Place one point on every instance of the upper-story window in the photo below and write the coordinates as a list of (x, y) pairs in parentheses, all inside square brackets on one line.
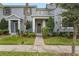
[(6, 11)]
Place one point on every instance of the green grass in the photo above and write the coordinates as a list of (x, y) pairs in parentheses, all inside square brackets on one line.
[(59, 41), (15, 40), (26, 54), (2, 53)]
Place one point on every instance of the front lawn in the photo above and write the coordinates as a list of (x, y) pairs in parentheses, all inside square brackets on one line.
[(59, 41), (15, 40), (2, 53), (27, 54)]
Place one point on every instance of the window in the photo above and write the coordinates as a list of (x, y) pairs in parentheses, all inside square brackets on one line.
[(6, 11)]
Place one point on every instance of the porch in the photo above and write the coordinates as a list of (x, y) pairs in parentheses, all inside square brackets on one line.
[(14, 24)]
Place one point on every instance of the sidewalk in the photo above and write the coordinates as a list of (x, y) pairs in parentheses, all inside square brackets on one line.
[(31, 48)]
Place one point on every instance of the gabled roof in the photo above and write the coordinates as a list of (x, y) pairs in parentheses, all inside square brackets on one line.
[(13, 17)]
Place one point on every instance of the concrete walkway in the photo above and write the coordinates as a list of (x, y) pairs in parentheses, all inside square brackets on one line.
[(39, 46), (39, 40)]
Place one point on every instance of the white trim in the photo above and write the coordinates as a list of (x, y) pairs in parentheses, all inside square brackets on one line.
[(13, 19), (9, 25), (12, 15), (41, 17), (33, 24), (44, 23), (19, 24)]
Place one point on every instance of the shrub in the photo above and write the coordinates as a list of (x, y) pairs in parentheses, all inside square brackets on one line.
[(66, 34), (45, 32), (50, 24), (4, 32), (28, 24), (30, 34), (25, 34), (55, 34), (3, 24), (1, 32)]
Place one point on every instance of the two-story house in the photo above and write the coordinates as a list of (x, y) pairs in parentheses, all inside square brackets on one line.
[(15, 15)]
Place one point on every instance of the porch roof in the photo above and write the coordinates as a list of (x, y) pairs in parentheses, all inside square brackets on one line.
[(41, 15), (13, 17)]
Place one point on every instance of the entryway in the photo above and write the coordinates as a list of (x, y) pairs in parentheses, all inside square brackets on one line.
[(38, 25), (14, 26)]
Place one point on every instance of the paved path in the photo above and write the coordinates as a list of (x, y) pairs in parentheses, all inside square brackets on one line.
[(39, 46), (39, 40)]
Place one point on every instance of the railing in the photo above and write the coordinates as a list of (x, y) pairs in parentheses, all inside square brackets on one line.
[(40, 13)]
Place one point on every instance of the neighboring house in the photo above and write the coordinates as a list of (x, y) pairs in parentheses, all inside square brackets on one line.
[(14, 14)]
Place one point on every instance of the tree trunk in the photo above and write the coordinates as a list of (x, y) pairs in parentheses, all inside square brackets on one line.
[(74, 39), (25, 14)]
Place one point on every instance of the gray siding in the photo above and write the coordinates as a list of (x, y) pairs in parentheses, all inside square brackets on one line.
[(18, 11)]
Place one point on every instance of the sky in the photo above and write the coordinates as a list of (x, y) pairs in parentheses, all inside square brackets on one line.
[(39, 5)]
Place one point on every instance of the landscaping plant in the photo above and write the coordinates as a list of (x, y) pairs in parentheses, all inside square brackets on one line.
[(45, 32), (50, 25), (3, 27)]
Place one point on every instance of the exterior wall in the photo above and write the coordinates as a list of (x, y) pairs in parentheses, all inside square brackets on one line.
[(1, 13), (18, 11), (39, 12)]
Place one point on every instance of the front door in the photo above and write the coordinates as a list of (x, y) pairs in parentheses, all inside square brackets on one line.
[(14, 27), (38, 28)]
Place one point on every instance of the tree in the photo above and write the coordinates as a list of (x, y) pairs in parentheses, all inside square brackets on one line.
[(50, 24), (3, 24), (25, 14), (72, 14), (28, 24)]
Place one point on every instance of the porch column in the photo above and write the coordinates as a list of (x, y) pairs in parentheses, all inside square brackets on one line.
[(19, 24), (44, 24), (33, 24), (9, 26)]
